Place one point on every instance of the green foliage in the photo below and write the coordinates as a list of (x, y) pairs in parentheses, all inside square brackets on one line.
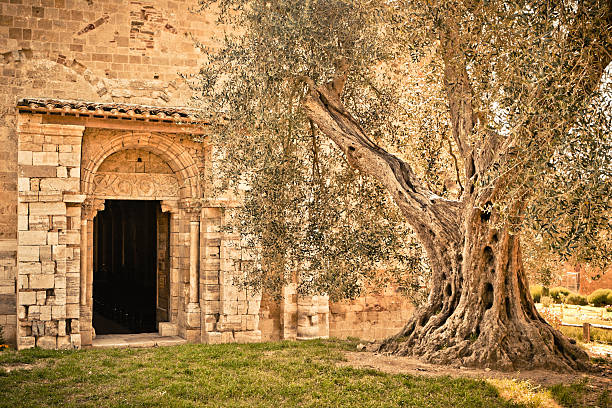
[(536, 292), (576, 299), (308, 216), (535, 72), (600, 297), (558, 294)]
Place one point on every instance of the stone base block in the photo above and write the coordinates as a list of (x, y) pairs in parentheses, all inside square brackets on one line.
[(192, 335), (212, 338), (167, 329), (47, 342), (63, 343), (248, 336), (26, 342)]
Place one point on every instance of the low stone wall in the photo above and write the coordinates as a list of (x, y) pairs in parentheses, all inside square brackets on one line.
[(374, 316)]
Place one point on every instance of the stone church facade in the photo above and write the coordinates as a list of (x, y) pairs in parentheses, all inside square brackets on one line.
[(90, 131)]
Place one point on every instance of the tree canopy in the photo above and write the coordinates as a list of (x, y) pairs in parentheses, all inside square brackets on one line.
[(541, 121)]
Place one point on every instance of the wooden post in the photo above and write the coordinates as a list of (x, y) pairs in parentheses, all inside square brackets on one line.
[(586, 332)]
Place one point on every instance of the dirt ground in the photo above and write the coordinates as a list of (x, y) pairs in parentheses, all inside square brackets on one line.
[(408, 365)]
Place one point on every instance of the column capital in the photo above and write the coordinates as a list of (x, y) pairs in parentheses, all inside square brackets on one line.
[(90, 207)]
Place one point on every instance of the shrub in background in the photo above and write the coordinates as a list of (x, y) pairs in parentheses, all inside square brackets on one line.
[(546, 301), (576, 299), (536, 292), (600, 297), (559, 293)]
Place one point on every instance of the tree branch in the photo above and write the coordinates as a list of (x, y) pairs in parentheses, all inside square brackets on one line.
[(428, 214)]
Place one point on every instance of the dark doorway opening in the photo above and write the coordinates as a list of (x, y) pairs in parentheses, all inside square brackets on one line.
[(125, 267)]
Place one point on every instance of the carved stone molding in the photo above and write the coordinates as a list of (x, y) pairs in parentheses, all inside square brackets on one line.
[(136, 185), (171, 206), (90, 208)]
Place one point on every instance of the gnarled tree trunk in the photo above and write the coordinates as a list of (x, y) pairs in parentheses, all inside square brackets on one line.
[(479, 311)]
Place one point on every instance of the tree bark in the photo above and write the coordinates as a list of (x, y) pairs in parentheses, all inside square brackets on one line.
[(479, 311)]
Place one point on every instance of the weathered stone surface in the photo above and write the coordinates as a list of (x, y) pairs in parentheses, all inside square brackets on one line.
[(46, 342)]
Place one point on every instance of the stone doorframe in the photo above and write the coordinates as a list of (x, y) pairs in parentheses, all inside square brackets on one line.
[(183, 205)]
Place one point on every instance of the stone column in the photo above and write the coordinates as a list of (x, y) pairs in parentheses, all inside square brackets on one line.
[(84, 259), (193, 315), (194, 254)]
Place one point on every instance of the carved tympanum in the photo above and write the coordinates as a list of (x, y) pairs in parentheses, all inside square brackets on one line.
[(134, 185)]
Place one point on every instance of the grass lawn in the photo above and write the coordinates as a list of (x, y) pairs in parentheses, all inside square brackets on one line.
[(284, 374)]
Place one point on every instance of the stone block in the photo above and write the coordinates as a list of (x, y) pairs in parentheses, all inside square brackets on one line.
[(27, 298), (51, 328), (49, 196), (26, 342), (60, 282), (75, 339), (41, 297), (28, 197), (45, 253), (48, 267), (58, 312), (45, 158), (64, 343), (59, 184), (69, 238), (47, 342), (45, 313), (248, 336), (22, 223), (213, 338), (28, 253), (61, 328), (72, 311), (32, 237), (39, 223), (24, 157), (58, 252), (23, 184), (227, 337), (72, 159), (38, 171), (57, 208), (168, 329), (42, 281)]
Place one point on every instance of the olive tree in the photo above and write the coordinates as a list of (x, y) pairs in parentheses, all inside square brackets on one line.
[(479, 119)]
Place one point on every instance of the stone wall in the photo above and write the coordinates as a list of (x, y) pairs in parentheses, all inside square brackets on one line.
[(48, 254), (374, 316), (113, 50)]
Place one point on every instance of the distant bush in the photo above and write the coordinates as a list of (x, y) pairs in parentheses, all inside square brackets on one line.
[(600, 297), (536, 292), (559, 294), (546, 301), (576, 299)]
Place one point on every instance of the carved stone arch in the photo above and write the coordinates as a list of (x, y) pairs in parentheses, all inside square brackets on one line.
[(174, 154)]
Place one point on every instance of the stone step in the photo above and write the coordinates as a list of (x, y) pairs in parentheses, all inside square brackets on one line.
[(135, 340)]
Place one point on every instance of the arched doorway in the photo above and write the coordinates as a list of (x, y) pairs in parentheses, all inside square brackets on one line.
[(142, 194)]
